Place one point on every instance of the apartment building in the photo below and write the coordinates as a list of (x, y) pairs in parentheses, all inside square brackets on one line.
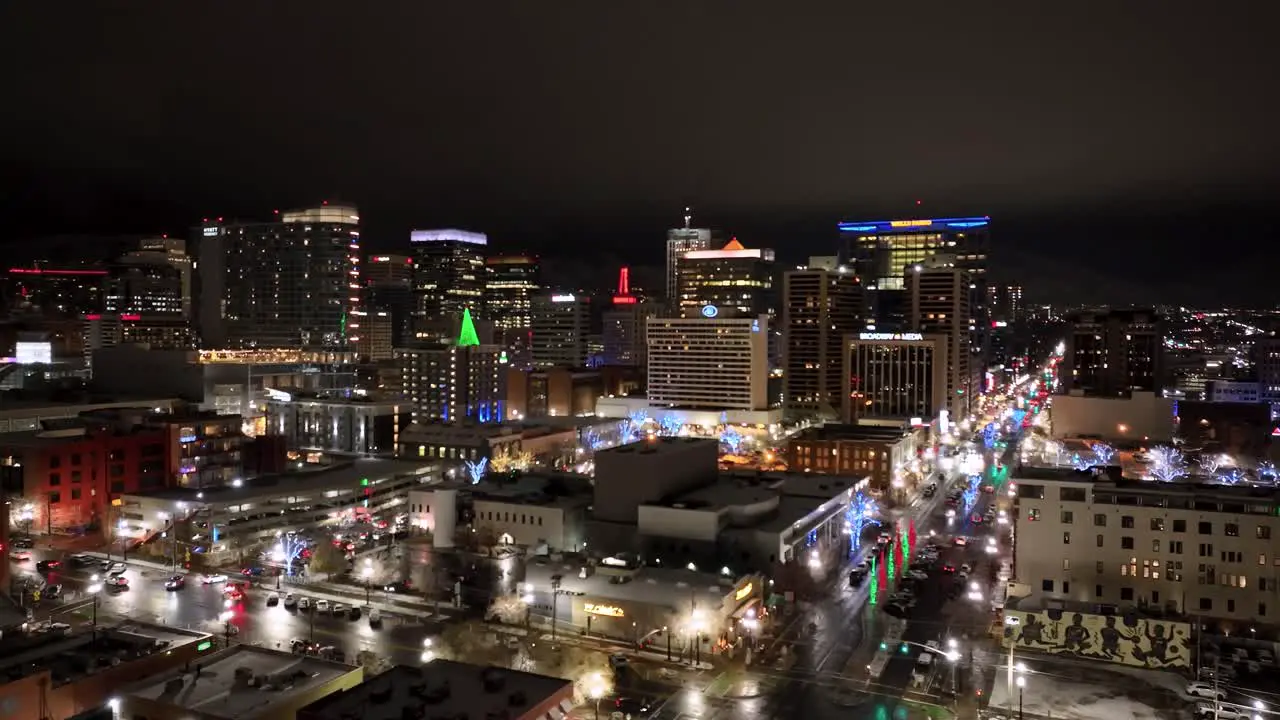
[(1205, 550)]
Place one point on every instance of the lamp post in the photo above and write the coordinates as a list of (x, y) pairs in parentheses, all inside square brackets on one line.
[(94, 588), (1022, 682), (367, 572), (668, 634), (596, 691), (555, 594), (1010, 623)]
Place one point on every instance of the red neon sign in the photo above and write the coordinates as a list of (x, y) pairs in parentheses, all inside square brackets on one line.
[(130, 317), (42, 271)]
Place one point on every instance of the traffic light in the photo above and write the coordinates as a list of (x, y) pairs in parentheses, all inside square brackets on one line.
[(364, 482), (884, 646), (903, 649)]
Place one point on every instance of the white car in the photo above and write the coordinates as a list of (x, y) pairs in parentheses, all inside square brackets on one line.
[(918, 575), (375, 617), (211, 579), (290, 600), (304, 603), (1205, 690), (338, 608), (322, 606), (1224, 712)]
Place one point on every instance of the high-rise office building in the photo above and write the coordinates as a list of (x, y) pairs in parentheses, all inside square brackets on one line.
[(561, 323), (174, 251), (680, 241), (294, 282), (733, 280), (709, 363), (938, 298), (67, 292), (510, 284), (449, 272), (820, 307), (894, 377), (882, 251), (460, 381), (388, 300), (623, 326), (144, 283), (1111, 353), (1005, 303)]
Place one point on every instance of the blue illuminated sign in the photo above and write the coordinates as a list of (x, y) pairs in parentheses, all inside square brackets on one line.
[(755, 326), (894, 226), (710, 311)]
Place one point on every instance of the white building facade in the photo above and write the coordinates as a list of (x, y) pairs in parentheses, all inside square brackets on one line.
[(709, 362)]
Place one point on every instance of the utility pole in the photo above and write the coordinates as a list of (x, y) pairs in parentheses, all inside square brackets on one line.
[(555, 595)]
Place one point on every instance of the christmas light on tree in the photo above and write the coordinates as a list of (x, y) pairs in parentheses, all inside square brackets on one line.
[(875, 582), (911, 534), (893, 566)]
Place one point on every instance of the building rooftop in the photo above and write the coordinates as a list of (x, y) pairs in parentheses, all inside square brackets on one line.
[(652, 445), (443, 689), (851, 432), (457, 431), (21, 403), (648, 584), (69, 656), (222, 689), (345, 474), (548, 489), (1186, 485)]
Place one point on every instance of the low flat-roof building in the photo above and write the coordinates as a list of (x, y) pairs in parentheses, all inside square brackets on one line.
[(448, 689), (59, 673), (349, 426), (243, 682), (879, 452), (24, 415), (623, 599), (542, 512)]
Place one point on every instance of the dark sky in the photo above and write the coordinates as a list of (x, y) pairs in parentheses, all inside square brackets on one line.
[(1107, 139)]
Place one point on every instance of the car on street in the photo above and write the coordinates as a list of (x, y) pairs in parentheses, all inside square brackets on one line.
[(930, 490), (290, 600), (81, 560), (918, 575), (1207, 711), (948, 568), (338, 608), (1205, 690), (322, 605), (117, 582), (632, 707), (212, 578), (273, 599), (20, 556), (48, 565), (400, 586), (966, 568), (897, 610), (176, 582), (961, 541), (24, 543), (117, 568), (354, 613), (252, 572), (857, 576), (304, 604)]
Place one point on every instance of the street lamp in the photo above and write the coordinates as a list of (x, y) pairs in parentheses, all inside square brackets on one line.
[(1022, 683), (368, 577), (94, 588), (596, 691), (1010, 622), (428, 654)]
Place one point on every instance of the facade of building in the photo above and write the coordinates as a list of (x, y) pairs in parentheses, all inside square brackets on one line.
[(938, 295), (67, 292), (624, 333), (458, 443), (1113, 352), (734, 281), (511, 281), (520, 513), (377, 335), (1233, 391), (820, 307), (553, 392), (878, 453), (102, 330), (894, 377), (65, 480), (388, 270), (452, 383), (1196, 549), (561, 325), (679, 242), (1005, 303), (709, 362), (1137, 417), (290, 283), (147, 284), (1266, 363), (449, 272), (310, 421)]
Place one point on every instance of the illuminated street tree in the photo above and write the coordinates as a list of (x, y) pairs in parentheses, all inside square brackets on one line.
[(1167, 464), (476, 469), (286, 551), (1209, 464), (507, 461), (1103, 453), (1267, 470)]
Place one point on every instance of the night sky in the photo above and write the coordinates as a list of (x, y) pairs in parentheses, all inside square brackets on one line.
[(1107, 140)]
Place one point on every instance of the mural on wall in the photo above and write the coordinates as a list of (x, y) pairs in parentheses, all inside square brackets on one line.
[(1121, 639)]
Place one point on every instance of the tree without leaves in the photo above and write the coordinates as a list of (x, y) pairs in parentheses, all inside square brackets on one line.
[(1167, 464), (326, 559)]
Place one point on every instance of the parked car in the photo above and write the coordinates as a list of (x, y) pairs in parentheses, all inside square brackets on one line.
[(354, 613), (399, 586), (24, 543), (337, 608), (290, 600), (322, 605), (20, 556), (375, 617), (117, 582), (81, 560), (212, 578), (1205, 690), (304, 604), (117, 568), (48, 565), (177, 582), (273, 599)]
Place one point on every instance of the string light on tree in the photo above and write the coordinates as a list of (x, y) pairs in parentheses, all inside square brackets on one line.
[(1104, 453), (1167, 464), (476, 469)]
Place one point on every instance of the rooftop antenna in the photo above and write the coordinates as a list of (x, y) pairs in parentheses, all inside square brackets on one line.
[(688, 217)]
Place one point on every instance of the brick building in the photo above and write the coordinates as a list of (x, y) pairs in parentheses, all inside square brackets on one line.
[(871, 451)]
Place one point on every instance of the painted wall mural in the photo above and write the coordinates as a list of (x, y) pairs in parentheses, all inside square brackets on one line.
[(1129, 640)]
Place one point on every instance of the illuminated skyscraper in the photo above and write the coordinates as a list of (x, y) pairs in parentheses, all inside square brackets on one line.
[(561, 322), (819, 308), (290, 283), (938, 304), (734, 280), (510, 283), (680, 241), (461, 381), (623, 326), (449, 271)]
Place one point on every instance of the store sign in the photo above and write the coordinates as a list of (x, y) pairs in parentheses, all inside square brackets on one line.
[(562, 298), (910, 223), (605, 610), (890, 336), (710, 311), (743, 592)]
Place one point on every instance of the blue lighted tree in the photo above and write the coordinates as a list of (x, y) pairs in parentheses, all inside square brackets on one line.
[(1210, 464), (731, 439), (862, 511), (1080, 463), (476, 469), (1231, 476), (633, 425), (1267, 469), (989, 435), (1103, 453), (670, 426), (1167, 464)]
